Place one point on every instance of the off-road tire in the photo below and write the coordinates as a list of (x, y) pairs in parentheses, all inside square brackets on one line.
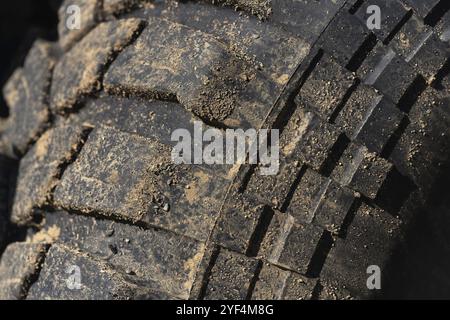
[(86, 164)]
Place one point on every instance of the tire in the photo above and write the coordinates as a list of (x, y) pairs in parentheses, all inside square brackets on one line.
[(364, 124)]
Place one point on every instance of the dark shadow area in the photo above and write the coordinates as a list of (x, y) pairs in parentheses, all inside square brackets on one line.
[(22, 22), (421, 269), (8, 178)]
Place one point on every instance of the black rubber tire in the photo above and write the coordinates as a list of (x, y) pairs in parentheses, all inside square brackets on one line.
[(364, 125)]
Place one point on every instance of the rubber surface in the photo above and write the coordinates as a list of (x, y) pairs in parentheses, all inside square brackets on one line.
[(364, 120)]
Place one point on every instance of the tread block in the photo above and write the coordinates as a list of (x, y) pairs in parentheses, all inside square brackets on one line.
[(370, 241), (273, 190), (326, 87), (278, 284), (320, 200), (306, 19), (237, 223), (333, 207), (396, 79), (423, 147), (388, 73), (166, 262), (377, 59), (230, 277), (150, 119), (392, 13), (27, 96), (13, 90), (20, 263), (410, 38), (98, 281), (362, 170), (40, 168), (273, 51), (357, 109), (343, 37), (431, 57), (90, 15), (87, 60), (141, 185), (307, 196), (290, 245), (308, 138), (369, 118), (221, 87), (382, 123)]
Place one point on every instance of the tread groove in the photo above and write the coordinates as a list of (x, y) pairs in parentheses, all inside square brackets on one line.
[(320, 255), (336, 153), (259, 232), (436, 14), (395, 138), (254, 280), (344, 100), (355, 7), (412, 94), (293, 188), (208, 271), (361, 54)]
